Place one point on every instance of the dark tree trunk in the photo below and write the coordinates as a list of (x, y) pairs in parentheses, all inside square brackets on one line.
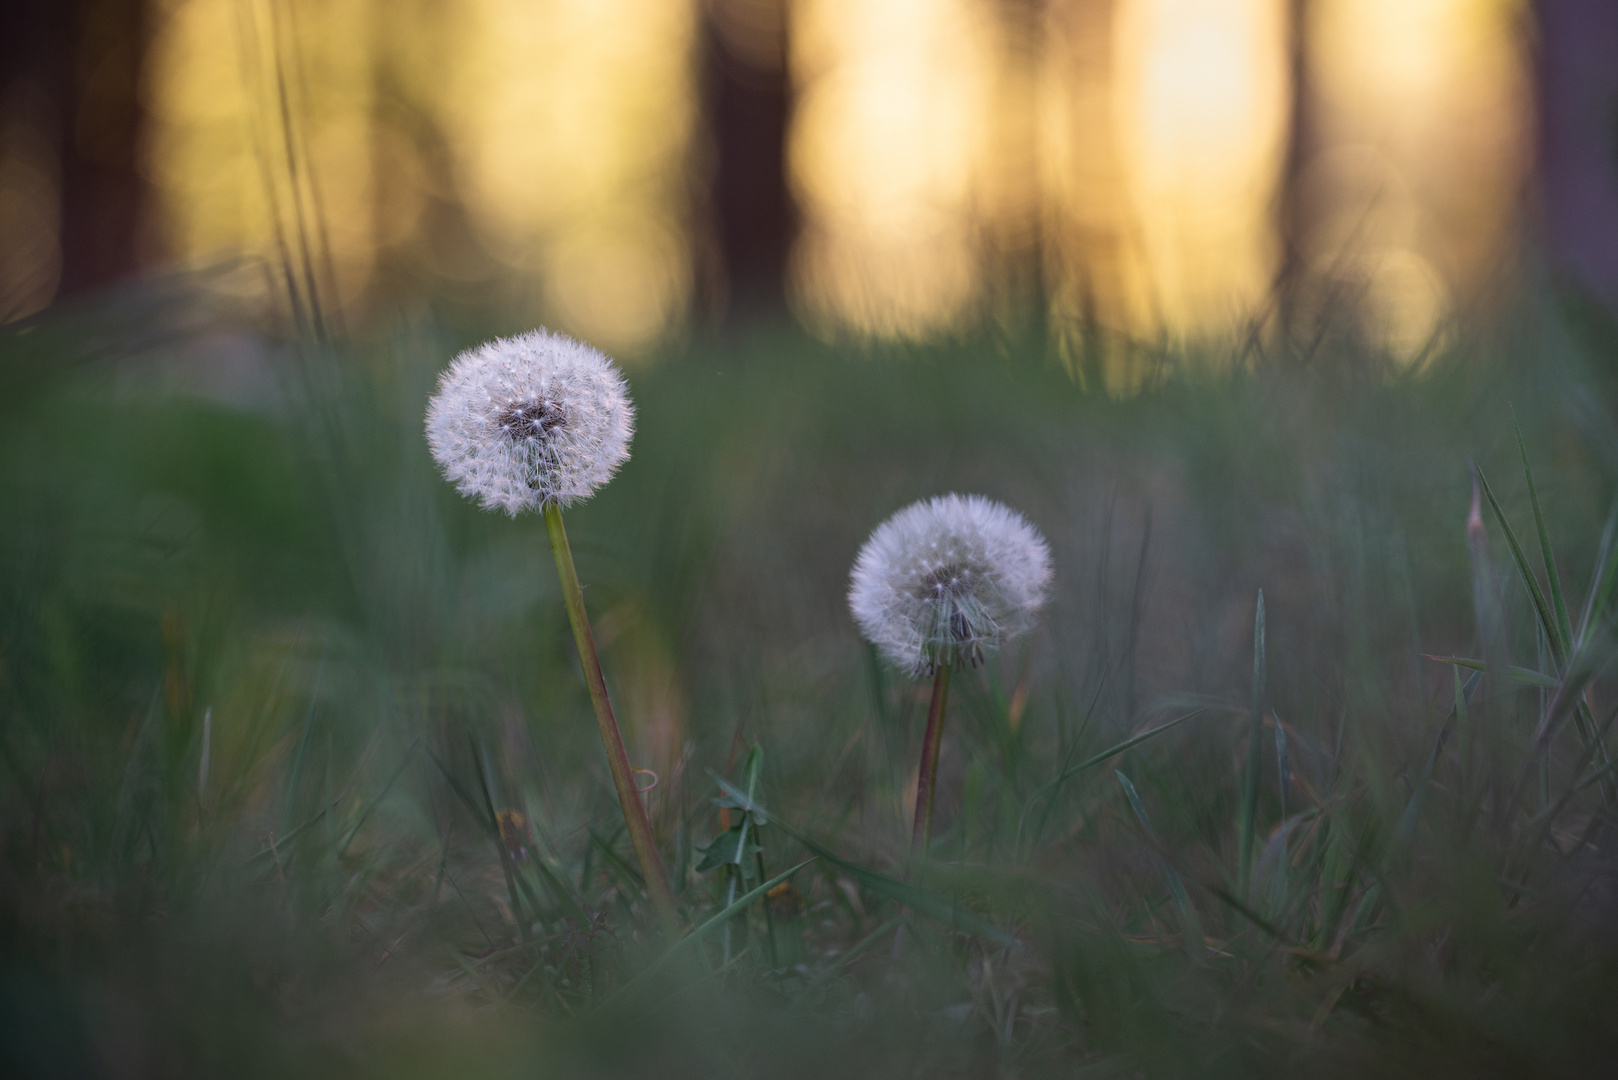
[(1578, 141), (747, 102), (1293, 218), (103, 192), (81, 63)]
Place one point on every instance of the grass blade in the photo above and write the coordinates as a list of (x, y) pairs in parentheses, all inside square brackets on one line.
[(1255, 756), (499, 842), (1112, 752), (1283, 766), (1602, 577), (730, 911), (1521, 675), (943, 908), (1541, 606), (1196, 942), (377, 801), (1406, 828), (1564, 625)]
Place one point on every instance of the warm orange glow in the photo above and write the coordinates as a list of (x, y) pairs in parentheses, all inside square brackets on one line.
[(573, 120), (1201, 106), (887, 156), (1124, 156), (1425, 121), (568, 124), (217, 154)]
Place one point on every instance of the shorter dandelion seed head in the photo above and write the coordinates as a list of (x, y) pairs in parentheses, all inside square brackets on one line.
[(525, 421), (947, 579)]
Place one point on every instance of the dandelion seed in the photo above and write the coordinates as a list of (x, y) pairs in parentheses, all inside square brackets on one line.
[(529, 421), (948, 579)]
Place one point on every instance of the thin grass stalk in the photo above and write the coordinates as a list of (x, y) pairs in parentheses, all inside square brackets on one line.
[(927, 775), (612, 739), (1255, 757), (517, 912)]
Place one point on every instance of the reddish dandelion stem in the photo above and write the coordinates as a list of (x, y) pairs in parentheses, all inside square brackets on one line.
[(927, 777)]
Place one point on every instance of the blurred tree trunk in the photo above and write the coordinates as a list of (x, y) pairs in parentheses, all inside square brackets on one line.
[(81, 63), (1016, 259), (1293, 217), (1577, 79), (747, 104)]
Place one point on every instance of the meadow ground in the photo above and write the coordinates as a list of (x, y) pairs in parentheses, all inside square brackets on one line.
[(298, 774)]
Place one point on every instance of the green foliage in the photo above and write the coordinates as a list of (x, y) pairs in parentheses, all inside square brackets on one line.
[(298, 773)]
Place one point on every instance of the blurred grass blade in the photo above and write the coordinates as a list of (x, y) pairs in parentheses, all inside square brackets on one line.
[(1112, 752), (943, 908), (499, 841), (730, 911), (830, 970), (461, 793), (1405, 830), (1602, 576), (1521, 675), (1255, 758), (1541, 606), (1196, 943), (1283, 766), (377, 800), (1564, 625)]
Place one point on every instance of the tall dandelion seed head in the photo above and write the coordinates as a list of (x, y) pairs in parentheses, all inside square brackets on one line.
[(522, 422), (946, 579)]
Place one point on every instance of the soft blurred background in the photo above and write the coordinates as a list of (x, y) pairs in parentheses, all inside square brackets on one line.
[(297, 771), (1101, 171)]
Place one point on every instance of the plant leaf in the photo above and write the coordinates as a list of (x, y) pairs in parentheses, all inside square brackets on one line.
[(1196, 942), (1112, 752), (1525, 676), (1255, 756), (1541, 606), (1564, 625), (943, 908)]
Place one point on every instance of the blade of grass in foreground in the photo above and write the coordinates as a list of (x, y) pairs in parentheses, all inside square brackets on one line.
[(1603, 576), (943, 908), (1521, 675), (1558, 603), (1541, 606), (1255, 757), (730, 911), (1049, 789), (1406, 829), (1196, 943)]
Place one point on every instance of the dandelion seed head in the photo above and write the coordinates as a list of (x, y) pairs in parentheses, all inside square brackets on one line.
[(947, 579), (525, 421)]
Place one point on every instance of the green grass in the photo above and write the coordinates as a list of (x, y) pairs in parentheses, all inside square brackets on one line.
[(1332, 854)]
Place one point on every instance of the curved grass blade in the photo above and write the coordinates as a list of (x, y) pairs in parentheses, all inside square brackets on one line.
[(1196, 943), (1522, 675), (1406, 828), (1541, 606), (1603, 577), (1283, 766), (730, 911), (1112, 752), (1564, 625), (943, 908), (365, 815), (1255, 756)]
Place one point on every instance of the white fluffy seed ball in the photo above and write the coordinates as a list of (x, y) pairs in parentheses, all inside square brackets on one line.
[(947, 578), (525, 421)]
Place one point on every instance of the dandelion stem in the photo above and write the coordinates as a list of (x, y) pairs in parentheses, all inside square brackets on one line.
[(640, 827), (927, 777)]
